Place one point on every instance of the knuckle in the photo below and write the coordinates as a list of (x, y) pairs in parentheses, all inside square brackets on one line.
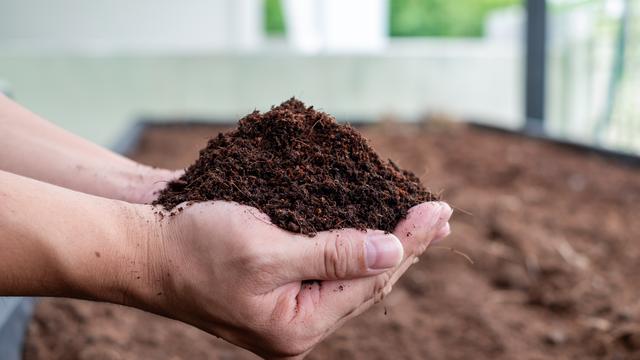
[(382, 287), (338, 258)]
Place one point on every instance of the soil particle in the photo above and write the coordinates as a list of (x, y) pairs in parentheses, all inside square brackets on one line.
[(555, 337), (304, 170), (629, 337)]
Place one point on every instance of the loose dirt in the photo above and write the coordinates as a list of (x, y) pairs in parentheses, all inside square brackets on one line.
[(304, 170), (554, 236)]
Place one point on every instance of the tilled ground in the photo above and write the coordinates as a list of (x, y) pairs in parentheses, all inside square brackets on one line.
[(554, 235)]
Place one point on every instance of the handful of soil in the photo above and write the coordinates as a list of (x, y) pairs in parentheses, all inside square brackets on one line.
[(304, 170)]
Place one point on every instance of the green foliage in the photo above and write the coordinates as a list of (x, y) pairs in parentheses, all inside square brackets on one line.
[(442, 17), (274, 18), (417, 17)]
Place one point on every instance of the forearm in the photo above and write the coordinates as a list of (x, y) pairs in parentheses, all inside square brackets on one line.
[(33, 147), (57, 242)]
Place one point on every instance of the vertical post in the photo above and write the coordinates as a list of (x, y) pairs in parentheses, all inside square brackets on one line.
[(617, 74), (535, 59)]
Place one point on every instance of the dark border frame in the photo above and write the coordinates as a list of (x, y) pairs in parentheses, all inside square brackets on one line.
[(13, 329), (535, 65)]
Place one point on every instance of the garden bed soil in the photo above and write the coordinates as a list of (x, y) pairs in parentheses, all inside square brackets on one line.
[(553, 234)]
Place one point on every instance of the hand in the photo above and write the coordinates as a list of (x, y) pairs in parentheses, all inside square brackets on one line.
[(227, 270), (219, 266), (145, 182), (61, 158)]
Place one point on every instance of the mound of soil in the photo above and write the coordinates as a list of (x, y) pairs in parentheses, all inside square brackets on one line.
[(304, 170)]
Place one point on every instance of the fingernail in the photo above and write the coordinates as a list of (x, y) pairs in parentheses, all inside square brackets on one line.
[(384, 251), (445, 209), (435, 215)]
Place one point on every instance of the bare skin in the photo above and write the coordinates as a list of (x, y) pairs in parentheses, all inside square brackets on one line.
[(219, 266), (33, 147)]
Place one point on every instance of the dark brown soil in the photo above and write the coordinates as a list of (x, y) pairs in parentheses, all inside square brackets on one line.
[(304, 170), (554, 237)]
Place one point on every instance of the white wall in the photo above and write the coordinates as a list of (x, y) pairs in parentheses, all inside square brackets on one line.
[(129, 25), (99, 96), (94, 66)]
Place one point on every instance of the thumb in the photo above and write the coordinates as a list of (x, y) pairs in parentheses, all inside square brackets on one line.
[(344, 254)]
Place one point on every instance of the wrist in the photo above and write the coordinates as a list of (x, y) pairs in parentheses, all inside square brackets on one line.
[(120, 266)]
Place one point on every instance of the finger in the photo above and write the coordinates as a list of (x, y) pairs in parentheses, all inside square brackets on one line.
[(442, 233), (349, 253), (421, 225), (345, 299), (342, 254)]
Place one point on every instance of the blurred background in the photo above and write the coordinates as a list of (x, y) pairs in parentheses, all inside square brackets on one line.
[(96, 67), (553, 230)]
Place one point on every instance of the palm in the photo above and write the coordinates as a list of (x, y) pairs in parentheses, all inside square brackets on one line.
[(234, 250)]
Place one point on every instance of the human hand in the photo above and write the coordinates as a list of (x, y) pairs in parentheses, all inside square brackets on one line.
[(219, 266), (227, 270), (145, 182), (61, 158)]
